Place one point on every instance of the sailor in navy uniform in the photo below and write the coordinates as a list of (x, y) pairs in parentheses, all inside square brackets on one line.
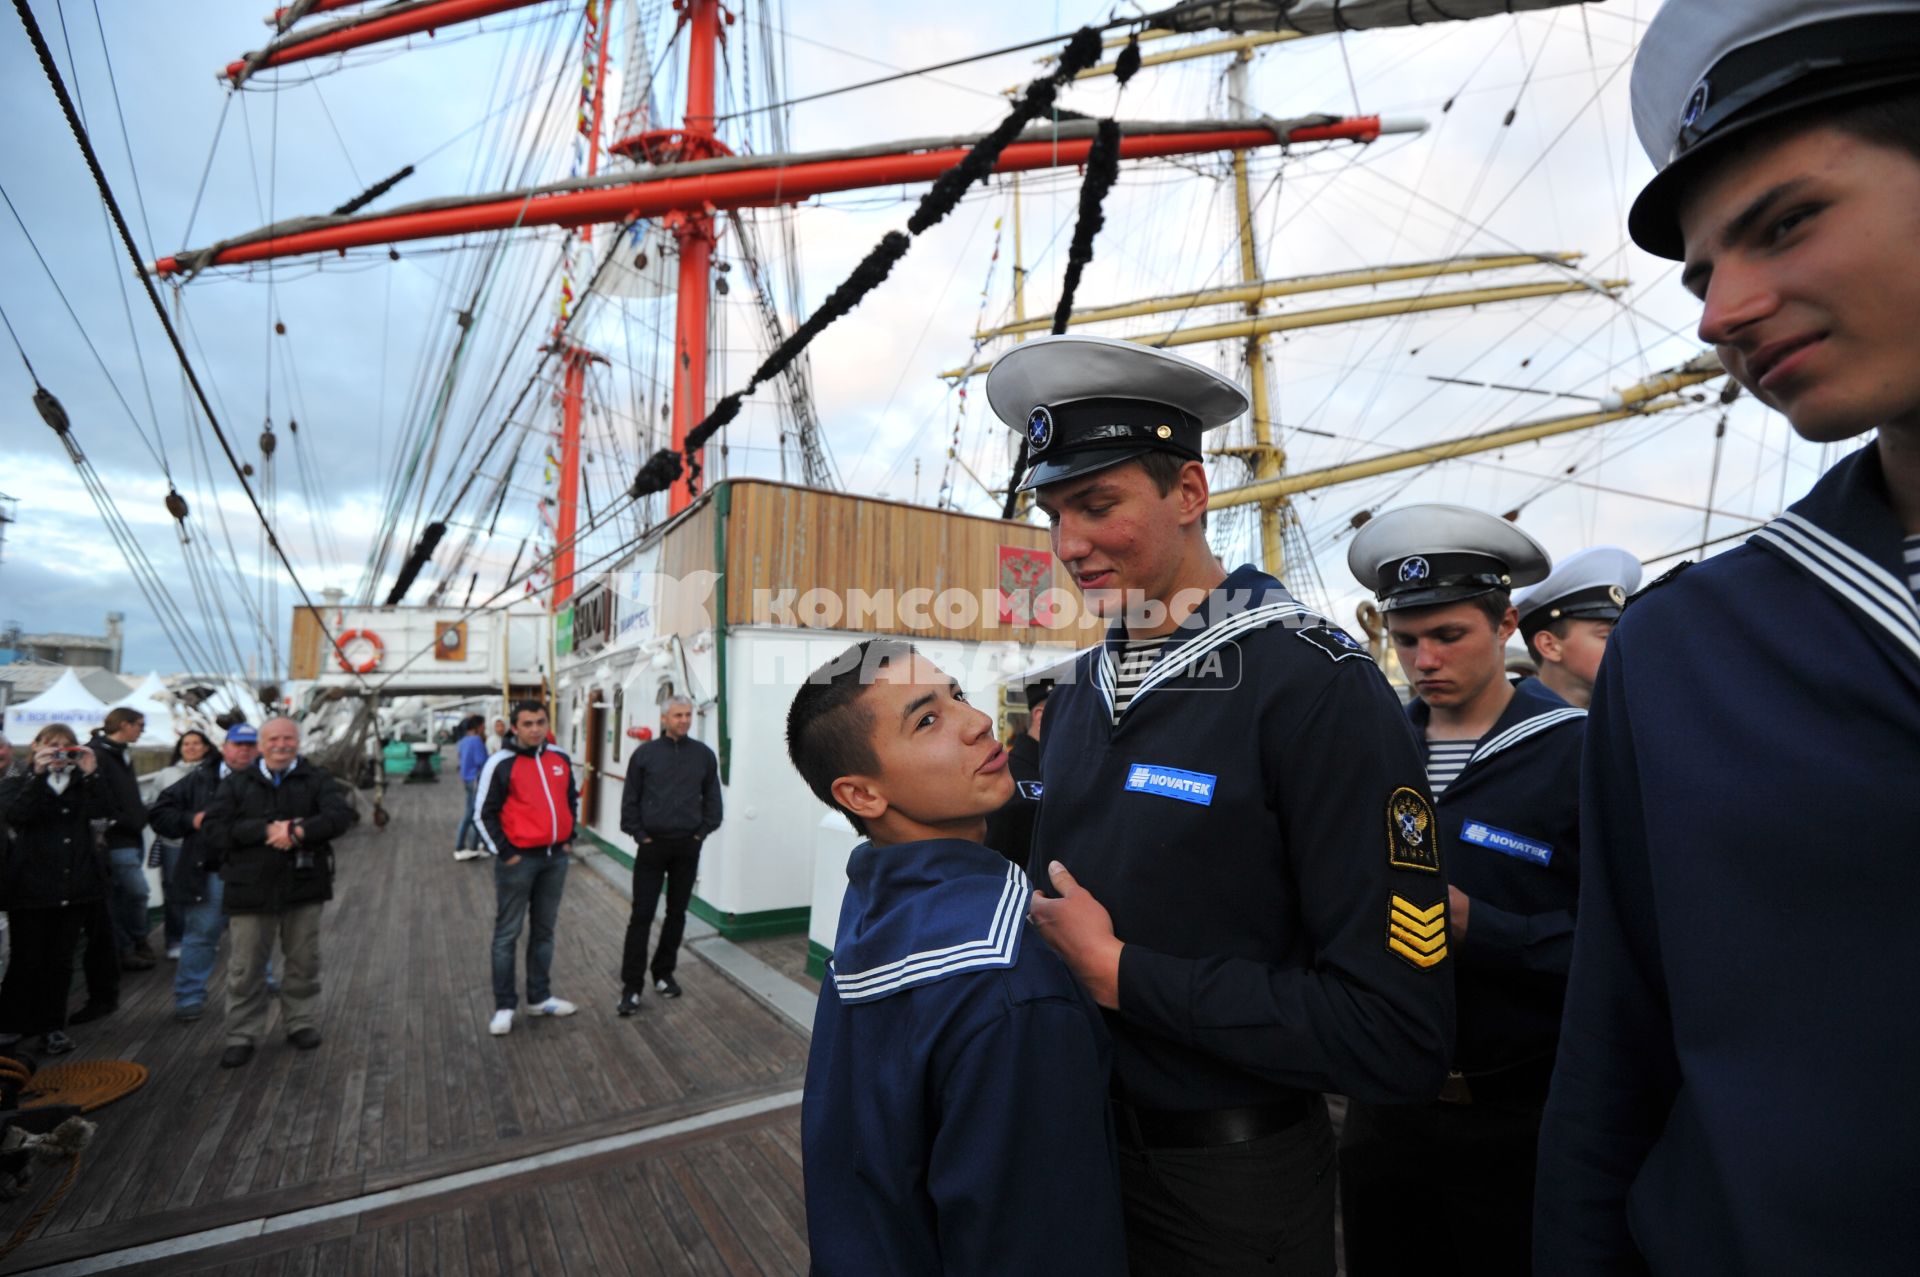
[(1565, 620), (1248, 876), (1735, 1091), (953, 1164), (1010, 830), (1446, 1186)]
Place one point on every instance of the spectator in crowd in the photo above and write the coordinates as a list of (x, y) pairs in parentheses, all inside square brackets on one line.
[(670, 805), (50, 878), (497, 738), (270, 828), (124, 839), (528, 807), (189, 752), (473, 757), (179, 814)]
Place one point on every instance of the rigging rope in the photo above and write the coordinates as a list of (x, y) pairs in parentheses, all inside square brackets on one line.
[(79, 131), (667, 465)]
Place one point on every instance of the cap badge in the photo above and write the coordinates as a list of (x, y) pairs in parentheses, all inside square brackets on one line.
[(1414, 569), (1039, 429), (1165, 432), (1696, 103), (1618, 595)]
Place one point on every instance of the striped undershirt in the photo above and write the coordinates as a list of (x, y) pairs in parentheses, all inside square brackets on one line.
[(1913, 565), (1446, 759), (1136, 659)]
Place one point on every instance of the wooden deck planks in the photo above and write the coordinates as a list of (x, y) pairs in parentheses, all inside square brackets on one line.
[(408, 1083)]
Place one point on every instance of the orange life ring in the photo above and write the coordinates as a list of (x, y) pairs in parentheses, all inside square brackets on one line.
[(367, 666)]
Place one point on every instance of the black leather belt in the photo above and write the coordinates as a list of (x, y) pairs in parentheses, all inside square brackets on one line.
[(1205, 1128)]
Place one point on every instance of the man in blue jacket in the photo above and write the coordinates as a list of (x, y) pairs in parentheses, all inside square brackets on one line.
[(473, 760), (955, 1118), (1446, 1186), (1735, 1085), (180, 813)]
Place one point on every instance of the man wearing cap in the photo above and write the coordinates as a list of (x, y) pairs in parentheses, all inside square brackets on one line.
[(179, 813), (1735, 1086), (1446, 1185), (1233, 824), (1565, 620), (1010, 830)]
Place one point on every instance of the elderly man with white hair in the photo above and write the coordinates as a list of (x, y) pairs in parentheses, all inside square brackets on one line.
[(269, 833), (670, 804)]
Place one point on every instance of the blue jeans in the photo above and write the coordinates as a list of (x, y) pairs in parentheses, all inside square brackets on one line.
[(174, 911), (199, 946), (127, 893), (532, 886), (468, 839)]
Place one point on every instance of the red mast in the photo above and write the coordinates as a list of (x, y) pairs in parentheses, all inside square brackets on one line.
[(693, 230)]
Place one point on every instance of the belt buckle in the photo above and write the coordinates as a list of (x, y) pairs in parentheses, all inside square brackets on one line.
[(1456, 1090)]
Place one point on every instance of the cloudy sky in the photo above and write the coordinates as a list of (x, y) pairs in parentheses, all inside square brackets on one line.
[(1528, 149)]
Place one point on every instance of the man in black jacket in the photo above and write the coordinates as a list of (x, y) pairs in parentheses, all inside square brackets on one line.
[(670, 804), (179, 813), (271, 828), (127, 892)]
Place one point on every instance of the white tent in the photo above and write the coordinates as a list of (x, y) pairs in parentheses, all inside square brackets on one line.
[(67, 701), (154, 702)]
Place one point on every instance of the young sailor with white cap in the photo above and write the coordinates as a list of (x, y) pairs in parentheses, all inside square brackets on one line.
[(1234, 821), (1735, 1086), (1445, 1186), (1565, 620)]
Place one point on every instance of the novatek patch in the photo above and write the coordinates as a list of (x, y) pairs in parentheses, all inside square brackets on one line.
[(1171, 782), (1029, 789), (1416, 934), (1480, 833), (1334, 641), (1413, 840)]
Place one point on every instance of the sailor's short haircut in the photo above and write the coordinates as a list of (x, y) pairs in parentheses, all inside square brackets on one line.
[(525, 707), (829, 730)]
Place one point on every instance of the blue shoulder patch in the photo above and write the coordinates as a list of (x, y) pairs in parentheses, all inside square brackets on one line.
[(1335, 642)]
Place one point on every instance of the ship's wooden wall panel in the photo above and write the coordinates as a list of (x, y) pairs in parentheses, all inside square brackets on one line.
[(308, 645), (785, 539)]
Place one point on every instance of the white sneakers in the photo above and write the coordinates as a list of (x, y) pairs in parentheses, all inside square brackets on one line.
[(502, 1022), (470, 853)]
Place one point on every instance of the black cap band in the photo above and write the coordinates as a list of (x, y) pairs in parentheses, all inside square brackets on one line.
[(1427, 580), (1596, 603)]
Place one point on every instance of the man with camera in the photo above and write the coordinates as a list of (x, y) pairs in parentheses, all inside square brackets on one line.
[(269, 833)]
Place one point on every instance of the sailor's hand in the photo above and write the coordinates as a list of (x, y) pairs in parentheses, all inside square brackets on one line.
[(1459, 904), (1080, 930)]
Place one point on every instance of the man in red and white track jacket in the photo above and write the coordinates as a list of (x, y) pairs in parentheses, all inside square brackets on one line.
[(527, 806)]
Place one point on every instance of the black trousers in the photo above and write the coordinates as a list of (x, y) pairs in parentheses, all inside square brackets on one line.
[(674, 862), (33, 999), (1264, 1206), (102, 960), (1440, 1188)]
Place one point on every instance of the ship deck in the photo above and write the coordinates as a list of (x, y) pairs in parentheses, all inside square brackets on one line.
[(413, 1142)]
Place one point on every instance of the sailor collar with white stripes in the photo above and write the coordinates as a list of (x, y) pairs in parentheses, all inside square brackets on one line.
[(924, 912), (1845, 535), (1530, 711), (1247, 600)]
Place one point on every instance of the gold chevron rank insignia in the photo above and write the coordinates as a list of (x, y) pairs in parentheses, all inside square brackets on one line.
[(1416, 934)]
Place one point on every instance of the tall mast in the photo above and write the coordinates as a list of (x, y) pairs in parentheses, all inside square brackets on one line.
[(576, 358), (693, 230), (1266, 458)]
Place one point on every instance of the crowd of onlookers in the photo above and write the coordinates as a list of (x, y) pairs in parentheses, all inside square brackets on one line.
[(241, 836)]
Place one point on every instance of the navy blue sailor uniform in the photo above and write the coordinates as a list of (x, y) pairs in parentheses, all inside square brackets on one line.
[(1735, 1085), (1258, 827), (955, 1117)]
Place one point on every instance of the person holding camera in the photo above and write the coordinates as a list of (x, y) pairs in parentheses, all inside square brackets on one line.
[(50, 877), (269, 833)]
